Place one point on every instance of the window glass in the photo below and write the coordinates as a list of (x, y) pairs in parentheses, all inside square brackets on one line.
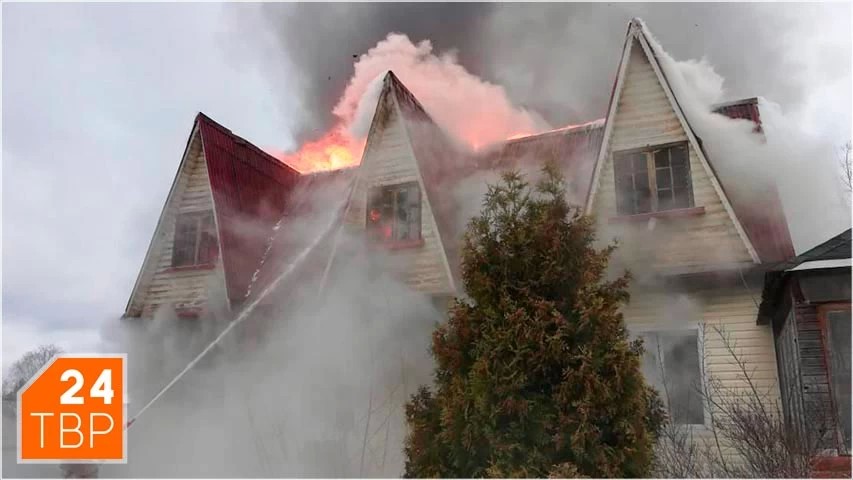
[(672, 365), (195, 239), (666, 187), (393, 213)]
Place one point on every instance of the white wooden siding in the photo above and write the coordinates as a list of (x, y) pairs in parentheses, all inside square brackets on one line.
[(733, 310), (644, 118), (191, 287), (389, 161)]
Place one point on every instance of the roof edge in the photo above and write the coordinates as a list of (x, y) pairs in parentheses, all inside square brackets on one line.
[(202, 117)]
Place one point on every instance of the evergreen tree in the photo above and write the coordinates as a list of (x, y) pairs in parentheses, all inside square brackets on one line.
[(535, 375)]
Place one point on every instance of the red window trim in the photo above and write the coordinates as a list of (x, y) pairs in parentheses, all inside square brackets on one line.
[(189, 268), (188, 312), (674, 213)]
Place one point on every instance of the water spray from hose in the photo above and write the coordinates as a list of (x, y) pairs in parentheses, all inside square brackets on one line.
[(248, 309)]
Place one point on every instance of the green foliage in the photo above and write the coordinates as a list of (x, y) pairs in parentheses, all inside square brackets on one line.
[(535, 374)]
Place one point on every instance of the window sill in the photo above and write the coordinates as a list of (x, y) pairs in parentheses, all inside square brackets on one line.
[(190, 268), (403, 244), (188, 312), (676, 213)]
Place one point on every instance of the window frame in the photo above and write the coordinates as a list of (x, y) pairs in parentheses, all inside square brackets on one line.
[(651, 173), (376, 192), (198, 216), (823, 322), (634, 331)]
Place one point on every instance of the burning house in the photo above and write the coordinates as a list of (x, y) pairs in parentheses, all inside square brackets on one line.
[(698, 235)]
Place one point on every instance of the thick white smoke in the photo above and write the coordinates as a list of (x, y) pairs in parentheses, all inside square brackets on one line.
[(799, 161), (473, 110)]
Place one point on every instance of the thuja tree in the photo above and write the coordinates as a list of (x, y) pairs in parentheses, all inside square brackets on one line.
[(535, 375)]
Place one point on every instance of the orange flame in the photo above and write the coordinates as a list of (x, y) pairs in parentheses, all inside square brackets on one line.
[(336, 149)]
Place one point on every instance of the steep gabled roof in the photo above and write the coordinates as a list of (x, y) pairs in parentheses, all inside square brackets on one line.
[(439, 161), (824, 255), (250, 193), (836, 248), (761, 224), (443, 164)]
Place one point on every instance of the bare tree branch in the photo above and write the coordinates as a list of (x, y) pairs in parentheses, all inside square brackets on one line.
[(25, 368), (748, 436), (845, 161)]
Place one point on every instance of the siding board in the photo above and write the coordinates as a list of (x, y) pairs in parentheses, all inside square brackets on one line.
[(644, 117), (389, 161), (164, 287)]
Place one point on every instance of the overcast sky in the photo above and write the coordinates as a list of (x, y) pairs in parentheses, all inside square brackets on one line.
[(98, 101)]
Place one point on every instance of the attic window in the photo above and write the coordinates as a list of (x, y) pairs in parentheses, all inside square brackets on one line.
[(195, 239), (394, 213), (653, 179)]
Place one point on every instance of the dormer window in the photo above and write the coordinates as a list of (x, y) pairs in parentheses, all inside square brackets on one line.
[(653, 179), (394, 213), (195, 239)]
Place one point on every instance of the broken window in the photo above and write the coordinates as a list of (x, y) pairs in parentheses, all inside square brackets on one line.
[(652, 180), (394, 213), (195, 239), (672, 365), (838, 342)]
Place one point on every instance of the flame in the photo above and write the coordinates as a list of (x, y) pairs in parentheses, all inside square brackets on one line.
[(338, 149), (335, 149)]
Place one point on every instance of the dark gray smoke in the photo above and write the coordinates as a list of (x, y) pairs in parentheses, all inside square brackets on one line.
[(322, 41), (560, 59)]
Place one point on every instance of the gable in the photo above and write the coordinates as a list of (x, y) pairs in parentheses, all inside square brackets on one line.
[(158, 283), (246, 189), (390, 159), (250, 190), (643, 114)]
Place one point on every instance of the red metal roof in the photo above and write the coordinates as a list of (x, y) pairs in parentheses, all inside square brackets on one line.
[(307, 199), (760, 213), (250, 193), (573, 149), (746, 109)]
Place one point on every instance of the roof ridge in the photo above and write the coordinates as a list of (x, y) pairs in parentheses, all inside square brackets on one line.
[(201, 116), (570, 130), (731, 103)]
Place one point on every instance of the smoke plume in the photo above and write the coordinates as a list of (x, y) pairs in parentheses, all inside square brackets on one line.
[(560, 59)]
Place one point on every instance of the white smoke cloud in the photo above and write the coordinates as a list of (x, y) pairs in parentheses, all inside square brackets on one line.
[(286, 392), (799, 162), (473, 110)]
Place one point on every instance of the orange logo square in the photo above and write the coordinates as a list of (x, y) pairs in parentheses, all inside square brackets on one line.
[(74, 409)]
